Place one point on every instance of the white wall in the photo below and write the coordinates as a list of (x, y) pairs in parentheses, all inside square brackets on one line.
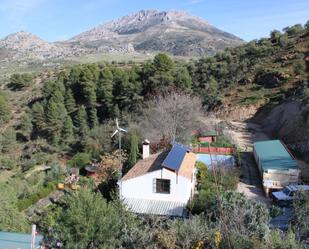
[(142, 187)]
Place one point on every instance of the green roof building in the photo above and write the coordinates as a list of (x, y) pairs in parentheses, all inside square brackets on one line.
[(276, 164), (273, 155)]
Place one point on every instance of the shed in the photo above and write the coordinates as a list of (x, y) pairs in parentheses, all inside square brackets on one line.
[(208, 136), (10, 240), (276, 164)]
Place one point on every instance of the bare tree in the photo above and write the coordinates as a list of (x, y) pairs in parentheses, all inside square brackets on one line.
[(171, 117)]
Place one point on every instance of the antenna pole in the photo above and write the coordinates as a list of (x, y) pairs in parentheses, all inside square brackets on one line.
[(120, 155)]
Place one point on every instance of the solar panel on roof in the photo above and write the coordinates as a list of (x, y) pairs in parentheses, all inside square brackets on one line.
[(175, 157)]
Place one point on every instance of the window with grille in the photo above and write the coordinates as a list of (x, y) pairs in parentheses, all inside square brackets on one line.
[(163, 186)]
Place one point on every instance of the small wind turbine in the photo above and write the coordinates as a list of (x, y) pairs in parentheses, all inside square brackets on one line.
[(119, 130)]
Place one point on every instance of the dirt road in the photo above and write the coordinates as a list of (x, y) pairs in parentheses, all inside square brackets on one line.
[(244, 135)]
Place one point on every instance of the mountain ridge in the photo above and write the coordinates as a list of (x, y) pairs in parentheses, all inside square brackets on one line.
[(175, 32)]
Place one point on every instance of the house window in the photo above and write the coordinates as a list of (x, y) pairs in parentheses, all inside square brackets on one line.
[(163, 186)]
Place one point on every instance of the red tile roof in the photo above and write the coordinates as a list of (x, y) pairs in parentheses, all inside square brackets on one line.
[(149, 164), (154, 162)]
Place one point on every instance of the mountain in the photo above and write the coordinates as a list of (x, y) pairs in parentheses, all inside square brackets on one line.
[(176, 32), (24, 45)]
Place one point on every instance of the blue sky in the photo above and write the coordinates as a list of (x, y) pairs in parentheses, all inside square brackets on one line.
[(61, 19)]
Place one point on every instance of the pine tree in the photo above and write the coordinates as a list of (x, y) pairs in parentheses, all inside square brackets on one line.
[(68, 130), (162, 78), (26, 126), (93, 117), (105, 91), (38, 116), (55, 115), (50, 87), (81, 122), (69, 101), (183, 79), (88, 87)]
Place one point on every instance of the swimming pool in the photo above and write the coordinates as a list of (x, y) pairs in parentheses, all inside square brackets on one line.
[(213, 160)]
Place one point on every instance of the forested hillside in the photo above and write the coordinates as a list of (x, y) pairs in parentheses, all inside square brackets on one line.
[(69, 111)]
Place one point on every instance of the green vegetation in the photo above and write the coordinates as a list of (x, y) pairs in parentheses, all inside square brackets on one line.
[(4, 109), (10, 218), (84, 218), (35, 197), (211, 184), (80, 160), (221, 141), (20, 81), (134, 151)]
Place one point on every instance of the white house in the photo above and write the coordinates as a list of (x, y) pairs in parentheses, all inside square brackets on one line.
[(162, 183)]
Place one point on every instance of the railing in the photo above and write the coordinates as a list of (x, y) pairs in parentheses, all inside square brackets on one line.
[(215, 150)]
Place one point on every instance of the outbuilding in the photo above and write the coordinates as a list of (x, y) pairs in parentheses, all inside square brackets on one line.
[(276, 164), (209, 136)]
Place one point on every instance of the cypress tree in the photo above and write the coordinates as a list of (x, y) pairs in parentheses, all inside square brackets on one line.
[(133, 151)]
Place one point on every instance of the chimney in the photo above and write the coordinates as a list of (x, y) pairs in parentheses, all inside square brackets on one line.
[(146, 150)]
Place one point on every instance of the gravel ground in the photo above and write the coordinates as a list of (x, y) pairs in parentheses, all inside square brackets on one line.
[(244, 135)]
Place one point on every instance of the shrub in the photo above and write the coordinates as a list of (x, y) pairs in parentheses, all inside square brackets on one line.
[(19, 81), (35, 197), (7, 163), (294, 30), (80, 160), (299, 66), (211, 184), (4, 109), (269, 78)]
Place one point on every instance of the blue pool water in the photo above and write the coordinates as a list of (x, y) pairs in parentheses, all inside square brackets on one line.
[(222, 160)]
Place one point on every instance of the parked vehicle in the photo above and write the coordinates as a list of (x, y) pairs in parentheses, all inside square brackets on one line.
[(287, 194)]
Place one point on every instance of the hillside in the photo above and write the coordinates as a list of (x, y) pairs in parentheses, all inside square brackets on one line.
[(148, 31), (271, 86)]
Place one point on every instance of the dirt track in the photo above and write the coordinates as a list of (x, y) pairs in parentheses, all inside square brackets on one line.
[(244, 135)]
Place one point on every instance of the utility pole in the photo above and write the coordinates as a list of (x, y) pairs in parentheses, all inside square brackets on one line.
[(33, 234)]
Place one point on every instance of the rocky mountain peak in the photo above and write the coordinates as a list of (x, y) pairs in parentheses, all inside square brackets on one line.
[(173, 31), (22, 41)]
